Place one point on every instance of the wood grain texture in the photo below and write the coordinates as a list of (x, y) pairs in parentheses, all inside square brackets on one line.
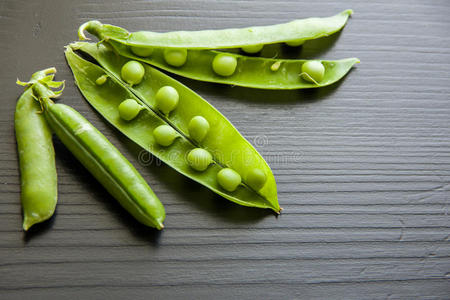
[(363, 166)]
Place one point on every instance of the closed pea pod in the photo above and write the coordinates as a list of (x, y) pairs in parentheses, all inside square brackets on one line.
[(222, 137), (298, 30), (36, 157), (103, 161)]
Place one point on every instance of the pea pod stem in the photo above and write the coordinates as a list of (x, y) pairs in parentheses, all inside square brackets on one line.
[(298, 30)]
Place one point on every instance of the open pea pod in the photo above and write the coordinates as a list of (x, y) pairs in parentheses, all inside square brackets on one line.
[(252, 72), (295, 31), (227, 146)]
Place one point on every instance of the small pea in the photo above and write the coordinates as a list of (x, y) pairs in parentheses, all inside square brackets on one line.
[(252, 48), (101, 80), (296, 43), (175, 57), (275, 66), (229, 179), (129, 109), (141, 51), (165, 135), (167, 99), (224, 64), (198, 128), (313, 71), (133, 72), (256, 179), (199, 159)]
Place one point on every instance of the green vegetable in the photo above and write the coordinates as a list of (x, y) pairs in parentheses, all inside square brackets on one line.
[(133, 72), (224, 64), (298, 30), (167, 99), (101, 80), (313, 71), (175, 57), (256, 178), (296, 43), (36, 155), (199, 159), (252, 49), (102, 159), (229, 179), (129, 109), (223, 141), (198, 128), (164, 135), (252, 72), (142, 51)]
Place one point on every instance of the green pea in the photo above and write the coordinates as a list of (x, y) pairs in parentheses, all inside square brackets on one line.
[(313, 71), (229, 179), (141, 51), (256, 178), (132, 72), (275, 66), (198, 128), (199, 159), (129, 109), (175, 57), (295, 43), (101, 80), (167, 99), (252, 48), (165, 135), (224, 64)]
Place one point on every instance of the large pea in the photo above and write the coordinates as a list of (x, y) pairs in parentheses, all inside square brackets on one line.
[(198, 128), (175, 57), (164, 135), (199, 159), (229, 179), (313, 71), (252, 48), (141, 51), (167, 99), (256, 178), (129, 109), (132, 72), (224, 64)]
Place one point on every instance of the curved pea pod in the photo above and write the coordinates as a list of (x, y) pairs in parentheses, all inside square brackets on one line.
[(36, 157), (295, 31), (104, 162), (223, 141), (251, 72)]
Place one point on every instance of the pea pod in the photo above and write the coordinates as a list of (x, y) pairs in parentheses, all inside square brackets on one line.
[(295, 31), (223, 141), (36, 156), (252, 72), (102, 160)]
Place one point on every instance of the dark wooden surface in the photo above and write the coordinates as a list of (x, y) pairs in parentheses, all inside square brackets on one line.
[(363, 167)]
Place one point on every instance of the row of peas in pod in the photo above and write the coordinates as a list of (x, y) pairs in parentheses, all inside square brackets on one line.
[(193, 54)]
